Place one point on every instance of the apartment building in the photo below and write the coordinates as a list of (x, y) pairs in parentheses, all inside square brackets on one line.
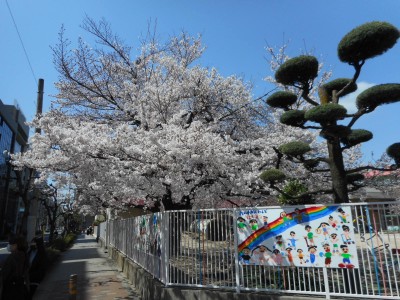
[(14, 135)]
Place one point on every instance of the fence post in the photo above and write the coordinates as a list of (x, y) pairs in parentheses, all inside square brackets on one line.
[(199, 219), (108, 216), (326, 283), (125, 230), (235, 249), (165, 243)]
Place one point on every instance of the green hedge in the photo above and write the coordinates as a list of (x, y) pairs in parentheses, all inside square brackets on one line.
[(62, 243), (52, 255), (70, 238)]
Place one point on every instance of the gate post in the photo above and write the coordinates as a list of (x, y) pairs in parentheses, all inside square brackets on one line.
[(235, 238), (165, 243), (326, 283)]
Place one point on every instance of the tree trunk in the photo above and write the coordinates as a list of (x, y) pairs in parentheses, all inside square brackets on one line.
[(24, 219), (23, 190), (338, 173), (51, 234), (52, 218), (176, 221)]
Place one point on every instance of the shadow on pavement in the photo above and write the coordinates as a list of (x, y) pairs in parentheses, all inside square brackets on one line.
[(89, 240), (96, 277), (87, 253)]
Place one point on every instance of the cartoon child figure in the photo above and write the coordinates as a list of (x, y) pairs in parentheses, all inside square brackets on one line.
[(298, 216), (155, 222), (346, 258), (253, 224), (300, 255), (323, 227), (290, 256), (333, 222), (346, 235), (260, 253), (310, 236), (241, 224), (279, 244), (312, 250), (335, 243), (285, 218), (292, 240), (142, 226), (246, 256), (328, 255), (265, 221), (277, 257), (343, 216)]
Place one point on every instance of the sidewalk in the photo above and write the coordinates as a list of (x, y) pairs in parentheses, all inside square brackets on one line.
[(98, 278)]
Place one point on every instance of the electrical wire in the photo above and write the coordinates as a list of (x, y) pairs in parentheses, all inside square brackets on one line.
[(22, 43)]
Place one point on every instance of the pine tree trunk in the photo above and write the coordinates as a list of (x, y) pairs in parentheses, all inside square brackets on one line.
[(338, 173)]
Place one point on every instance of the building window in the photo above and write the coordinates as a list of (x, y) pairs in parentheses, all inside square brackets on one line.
[(5, 140)]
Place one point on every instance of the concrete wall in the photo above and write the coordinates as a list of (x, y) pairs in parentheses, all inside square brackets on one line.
[(150, 288)]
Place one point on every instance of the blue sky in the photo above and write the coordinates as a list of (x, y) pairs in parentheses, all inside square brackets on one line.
[(235, 33)]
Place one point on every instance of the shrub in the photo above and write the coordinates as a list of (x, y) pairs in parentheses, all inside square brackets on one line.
[(59, 244), (354, 177), (334, 131), (357, 136), (394, 152), (366, 41), (282, 99), (294, 188), (293, 117), (295, 148), (70, 238), (378, 95), (272, 175), (326, 113), (338, 84), (52, 255), (300, 69), (62, 243)]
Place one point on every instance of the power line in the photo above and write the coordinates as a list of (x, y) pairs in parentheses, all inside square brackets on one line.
[(22, 43)]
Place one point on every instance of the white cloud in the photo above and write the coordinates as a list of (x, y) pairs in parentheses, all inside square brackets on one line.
[(349, 101)]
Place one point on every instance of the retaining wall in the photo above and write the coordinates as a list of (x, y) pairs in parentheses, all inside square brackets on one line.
[(151, 289)]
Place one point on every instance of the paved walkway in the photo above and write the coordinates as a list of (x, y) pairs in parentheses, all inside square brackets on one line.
[(98, 277)]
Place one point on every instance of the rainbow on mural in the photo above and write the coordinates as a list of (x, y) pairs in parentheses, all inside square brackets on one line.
[(314, 236)]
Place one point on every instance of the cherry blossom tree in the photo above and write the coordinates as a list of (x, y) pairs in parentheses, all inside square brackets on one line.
[(155, 127), (386, 178)]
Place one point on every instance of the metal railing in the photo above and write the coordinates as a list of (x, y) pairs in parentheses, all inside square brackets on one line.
[(205, 249)]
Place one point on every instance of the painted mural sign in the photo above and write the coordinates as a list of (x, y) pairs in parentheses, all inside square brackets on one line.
[(315, 236), (147, 234)]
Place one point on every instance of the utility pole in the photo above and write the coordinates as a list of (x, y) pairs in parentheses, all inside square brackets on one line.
[(34, 205), (39, 104)]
